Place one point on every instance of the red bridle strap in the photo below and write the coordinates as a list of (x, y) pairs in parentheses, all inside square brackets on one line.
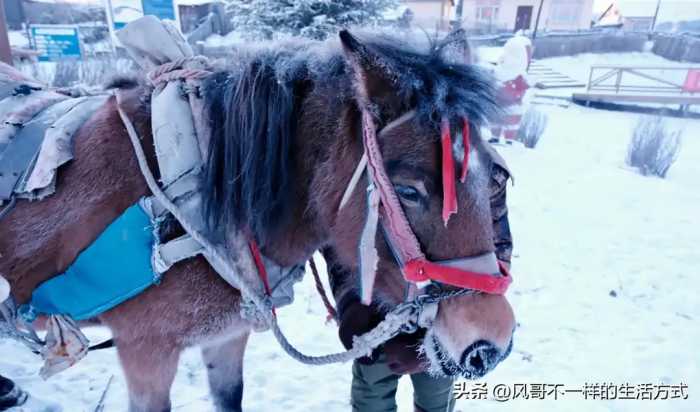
[(422, 270), (260, 265), (394, 220)]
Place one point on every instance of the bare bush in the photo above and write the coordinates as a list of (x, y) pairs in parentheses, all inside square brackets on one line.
[(94, 71), (531, 128), (653, 147)]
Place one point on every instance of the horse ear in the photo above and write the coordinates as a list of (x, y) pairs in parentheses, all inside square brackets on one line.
[(373, 78), (458, 48)]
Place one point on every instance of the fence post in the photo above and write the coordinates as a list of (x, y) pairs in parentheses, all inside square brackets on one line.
[(618, 80)]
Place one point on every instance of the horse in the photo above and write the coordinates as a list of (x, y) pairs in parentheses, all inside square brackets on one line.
[(286, 123)]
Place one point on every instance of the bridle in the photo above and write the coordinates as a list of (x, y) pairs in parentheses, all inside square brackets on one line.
[(482, 273)]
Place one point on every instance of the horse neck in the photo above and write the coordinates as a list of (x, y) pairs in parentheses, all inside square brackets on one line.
[(321, 134)]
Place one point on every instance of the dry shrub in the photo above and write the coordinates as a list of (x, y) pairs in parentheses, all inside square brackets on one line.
[(653, 147), (531, 127)]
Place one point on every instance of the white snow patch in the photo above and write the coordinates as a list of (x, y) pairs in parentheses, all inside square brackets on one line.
[(18, 38)]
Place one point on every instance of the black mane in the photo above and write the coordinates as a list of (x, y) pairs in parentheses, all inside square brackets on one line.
[(254, 107)]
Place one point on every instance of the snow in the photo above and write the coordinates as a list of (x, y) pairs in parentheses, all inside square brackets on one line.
[(18, 38), (231, 39), (584, 225)]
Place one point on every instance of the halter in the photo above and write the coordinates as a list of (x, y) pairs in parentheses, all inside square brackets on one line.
[(482, 273)]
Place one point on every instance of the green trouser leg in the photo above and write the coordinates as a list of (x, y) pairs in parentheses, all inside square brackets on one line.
[(374, 389), (432, 394)]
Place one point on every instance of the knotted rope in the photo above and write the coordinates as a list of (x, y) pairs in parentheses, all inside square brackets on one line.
[(186, 68)]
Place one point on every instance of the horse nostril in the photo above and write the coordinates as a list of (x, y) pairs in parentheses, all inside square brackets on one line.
[(476, 362), (479, 358)]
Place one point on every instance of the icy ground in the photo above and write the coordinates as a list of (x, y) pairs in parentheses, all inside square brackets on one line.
[(584, 226)]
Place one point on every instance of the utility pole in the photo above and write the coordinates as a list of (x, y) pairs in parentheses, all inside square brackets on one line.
[(459, 10), (656, 14), (5, 52), (109, 13), (537, 20)]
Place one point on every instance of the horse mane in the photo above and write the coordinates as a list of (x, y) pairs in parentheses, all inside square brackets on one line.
[(254, 106)]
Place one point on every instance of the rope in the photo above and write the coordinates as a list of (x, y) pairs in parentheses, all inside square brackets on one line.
[(180, 69), (9, 327), (332, 314), (404, 318)]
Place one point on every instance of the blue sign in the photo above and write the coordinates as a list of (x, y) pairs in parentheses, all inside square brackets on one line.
[(126, 11), (163, 9), (56, 42)]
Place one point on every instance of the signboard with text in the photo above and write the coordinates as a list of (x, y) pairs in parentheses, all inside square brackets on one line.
[(56, 42), (163, 9)]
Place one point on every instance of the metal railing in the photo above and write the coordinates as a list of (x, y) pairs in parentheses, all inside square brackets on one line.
[(655, 78)]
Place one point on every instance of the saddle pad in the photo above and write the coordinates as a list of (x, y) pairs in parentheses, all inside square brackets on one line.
[(114, 268), (22, 149)]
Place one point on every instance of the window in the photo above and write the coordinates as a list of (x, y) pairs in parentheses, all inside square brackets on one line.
[(565, 11), (487, 14)]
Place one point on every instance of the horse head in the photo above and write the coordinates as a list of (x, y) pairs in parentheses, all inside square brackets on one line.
[(414, 99)]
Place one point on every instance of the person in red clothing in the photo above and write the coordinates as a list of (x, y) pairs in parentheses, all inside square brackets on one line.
[(511, 72)]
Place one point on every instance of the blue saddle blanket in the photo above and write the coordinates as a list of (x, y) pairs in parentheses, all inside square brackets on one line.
[(115, 267)]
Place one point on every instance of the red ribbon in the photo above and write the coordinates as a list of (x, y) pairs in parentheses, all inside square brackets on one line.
[(449, 201)]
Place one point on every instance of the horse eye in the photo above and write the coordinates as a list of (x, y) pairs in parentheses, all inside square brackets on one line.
[(408, 193)]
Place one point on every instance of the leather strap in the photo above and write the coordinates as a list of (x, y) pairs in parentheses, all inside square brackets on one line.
[(165, 255)]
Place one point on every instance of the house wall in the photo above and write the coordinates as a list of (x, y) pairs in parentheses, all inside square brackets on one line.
[(555, 15), (637, 23), (429, 14)]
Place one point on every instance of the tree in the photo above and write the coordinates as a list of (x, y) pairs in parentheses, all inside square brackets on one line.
[(315, 19)]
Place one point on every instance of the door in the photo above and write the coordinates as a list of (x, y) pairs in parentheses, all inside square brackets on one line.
[(523, 18)]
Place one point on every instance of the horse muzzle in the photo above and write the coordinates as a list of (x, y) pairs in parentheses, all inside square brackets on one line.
[(476, 361)]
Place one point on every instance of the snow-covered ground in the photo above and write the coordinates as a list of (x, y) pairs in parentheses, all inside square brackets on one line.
[(606, 290)]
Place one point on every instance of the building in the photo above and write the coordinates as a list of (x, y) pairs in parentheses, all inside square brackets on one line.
[(431, 14), (638, 15), (629, 15), (512, 15), (504, 15)]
